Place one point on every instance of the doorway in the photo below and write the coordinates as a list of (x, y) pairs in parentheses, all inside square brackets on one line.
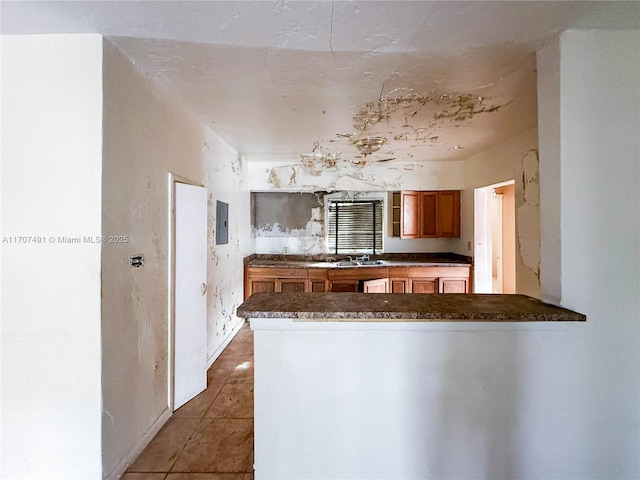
[(495, 238), (187, 291)]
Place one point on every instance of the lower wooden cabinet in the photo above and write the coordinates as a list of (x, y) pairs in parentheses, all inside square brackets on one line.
[(452, 279), (423, 285), (453, 285), (275, 280), (344, 285), (318, 280), (439, 280), (398, 285), (380, 285), (260, 285), (292, 285)]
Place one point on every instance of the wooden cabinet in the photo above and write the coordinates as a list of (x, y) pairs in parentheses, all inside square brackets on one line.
[(440, 279), (259, 285), (276, 280), (355, 279), (410, 226), (292, 285), (430, 214), (449, 213), (380, 285), (396, 214), (453, 285), (344, 286), (318, 280), (433, 279), (398, 280), (423, 285)]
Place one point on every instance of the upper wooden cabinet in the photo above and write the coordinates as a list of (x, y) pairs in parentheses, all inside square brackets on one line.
[(430, 214), (410, 220), (449, 213)]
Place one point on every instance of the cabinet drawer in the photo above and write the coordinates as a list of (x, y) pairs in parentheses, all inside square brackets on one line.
[(438, 271), (364, 273), (399, 272), (291, 272)]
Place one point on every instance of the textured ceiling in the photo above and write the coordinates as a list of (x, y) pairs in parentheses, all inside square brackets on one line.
[(438, 80)]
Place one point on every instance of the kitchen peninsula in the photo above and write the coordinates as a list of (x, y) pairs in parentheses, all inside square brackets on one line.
[(349, 385)]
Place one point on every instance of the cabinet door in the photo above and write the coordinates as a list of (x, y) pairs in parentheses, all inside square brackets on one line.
[(410, 226), (318, 280), (449, 213), (398, 285), (423, 285), (260, 285), (380, 285), (429, 214), (318, 285), (291, 285), (344, 286), (453, 285)]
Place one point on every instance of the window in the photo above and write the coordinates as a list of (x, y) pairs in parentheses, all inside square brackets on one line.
[(354, 226)]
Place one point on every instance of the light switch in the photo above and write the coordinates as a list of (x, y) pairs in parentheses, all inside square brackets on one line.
[(136, 260)]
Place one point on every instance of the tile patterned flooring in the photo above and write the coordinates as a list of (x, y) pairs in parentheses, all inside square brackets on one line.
[(211, 436)]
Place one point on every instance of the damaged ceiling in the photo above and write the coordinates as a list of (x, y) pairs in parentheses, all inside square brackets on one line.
[(438, 80)]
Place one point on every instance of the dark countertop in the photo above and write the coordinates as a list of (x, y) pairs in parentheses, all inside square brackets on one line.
[(403, 307), (387, 259)]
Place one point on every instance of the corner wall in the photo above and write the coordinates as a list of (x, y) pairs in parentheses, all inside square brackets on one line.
[(51, 191), (146, 136), (592, 172)]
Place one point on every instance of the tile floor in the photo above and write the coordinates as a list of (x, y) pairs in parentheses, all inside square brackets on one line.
[(211, 436)]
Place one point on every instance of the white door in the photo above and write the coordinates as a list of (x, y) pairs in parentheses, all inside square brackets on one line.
[(190, 365)]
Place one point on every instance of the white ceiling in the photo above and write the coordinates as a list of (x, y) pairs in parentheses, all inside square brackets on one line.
[(445, 79)]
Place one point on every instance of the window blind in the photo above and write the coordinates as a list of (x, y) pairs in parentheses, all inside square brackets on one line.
[(355, 226)]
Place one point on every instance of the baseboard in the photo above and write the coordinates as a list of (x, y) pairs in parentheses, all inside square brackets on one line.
[(224, 344), (128, 459)]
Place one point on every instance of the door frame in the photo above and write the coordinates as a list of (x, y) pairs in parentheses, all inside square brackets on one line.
[(171, 307), (482, 248)]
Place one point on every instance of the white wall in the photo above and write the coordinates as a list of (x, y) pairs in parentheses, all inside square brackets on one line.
[(515, 159), (147, 135), (51, 187), (595, 112), (429, 400)]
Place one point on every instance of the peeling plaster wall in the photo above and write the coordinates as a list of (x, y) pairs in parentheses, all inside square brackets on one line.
[(514, 159), (291, 175), (288, 222), (147, 135)]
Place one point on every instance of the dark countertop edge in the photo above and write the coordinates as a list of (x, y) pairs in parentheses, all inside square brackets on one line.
[(345, 307), (405, 317), (443, 259)]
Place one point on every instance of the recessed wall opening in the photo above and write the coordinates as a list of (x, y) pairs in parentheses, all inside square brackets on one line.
[(495, 238)]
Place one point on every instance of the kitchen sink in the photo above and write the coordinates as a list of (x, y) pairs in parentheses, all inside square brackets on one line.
[(357, 263)]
